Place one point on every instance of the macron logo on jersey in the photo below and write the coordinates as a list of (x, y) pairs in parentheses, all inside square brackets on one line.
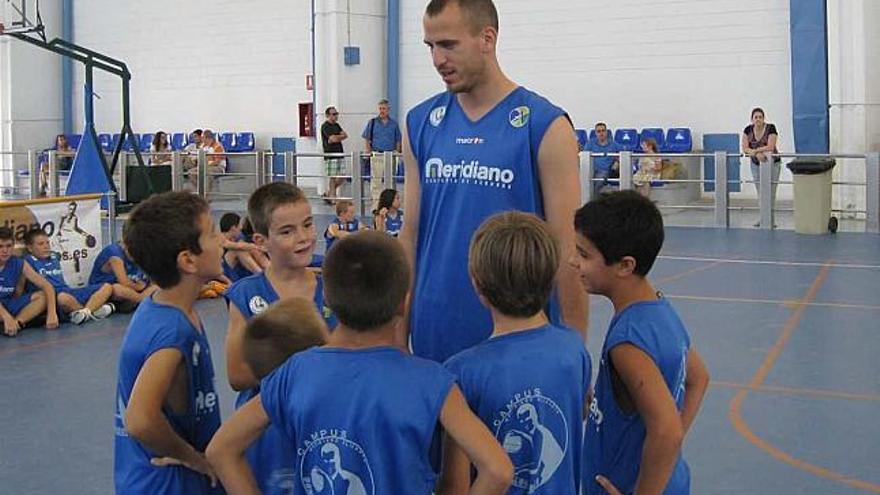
[(468, 173)]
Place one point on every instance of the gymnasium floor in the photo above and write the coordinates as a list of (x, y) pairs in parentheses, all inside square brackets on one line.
[(786, 323)]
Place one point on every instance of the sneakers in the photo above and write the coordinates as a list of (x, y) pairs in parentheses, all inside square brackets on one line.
[(104, 311), (80, 316)]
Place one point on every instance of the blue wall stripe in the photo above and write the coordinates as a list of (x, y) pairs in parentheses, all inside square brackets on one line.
[(809, 75), (393, 62), (67, 68)]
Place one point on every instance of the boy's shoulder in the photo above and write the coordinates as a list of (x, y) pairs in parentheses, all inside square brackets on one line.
[(505, 346), (158, 325), (645, 323)]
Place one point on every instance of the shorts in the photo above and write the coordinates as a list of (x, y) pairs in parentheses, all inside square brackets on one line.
[(334, 166), (14, 305), (82, 294)]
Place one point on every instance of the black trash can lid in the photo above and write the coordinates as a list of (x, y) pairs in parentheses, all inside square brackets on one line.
[(810, 166)]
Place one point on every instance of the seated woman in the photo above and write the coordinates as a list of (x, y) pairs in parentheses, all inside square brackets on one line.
[(388, 217), (63, 161), (160, 150), (650, 168)]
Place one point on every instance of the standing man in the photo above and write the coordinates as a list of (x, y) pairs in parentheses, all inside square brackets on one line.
[(332, 136), (381, 134), (485, 145)]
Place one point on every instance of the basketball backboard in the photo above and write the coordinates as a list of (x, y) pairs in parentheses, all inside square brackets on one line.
[(20, 17)]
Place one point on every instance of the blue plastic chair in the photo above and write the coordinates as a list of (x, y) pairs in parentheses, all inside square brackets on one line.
[(656, 133), (227, 139), (583, 138), (178, 141), (679, 140), (146, 142), (106, 142), (74, 139), (627, 139), (244, 141)]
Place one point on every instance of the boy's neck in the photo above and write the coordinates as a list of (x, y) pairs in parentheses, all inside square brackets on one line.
[(282, 274), (182, 296), (504, 324), (388, 335), (634, 289)]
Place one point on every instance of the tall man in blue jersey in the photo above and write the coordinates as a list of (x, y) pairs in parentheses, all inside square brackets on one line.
[(485, 145)]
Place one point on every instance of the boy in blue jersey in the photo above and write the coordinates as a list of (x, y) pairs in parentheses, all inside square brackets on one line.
[(114, 266), (166, 406), (78, 304), (360, 411), (240, 257), (343, 225), (651, 380), (483, 146), (529, 382), (18, 309), (283, 225)]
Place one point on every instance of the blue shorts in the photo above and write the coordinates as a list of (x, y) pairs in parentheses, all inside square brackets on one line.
[(14, 305), (82, 294)]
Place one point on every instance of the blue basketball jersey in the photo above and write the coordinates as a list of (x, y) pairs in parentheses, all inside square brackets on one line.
[(9, 275), (272, 456), (362, 421), (352, 226), (235, 273), (49, 268), (468, 171), (155, 327), (613, 440), (99, 276), (530, 389), (394, 224)]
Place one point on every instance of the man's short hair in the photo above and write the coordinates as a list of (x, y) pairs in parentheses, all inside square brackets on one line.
[(31, 235), (229, 220), (6, 234), (513, 260), (328, 109), (480, 13), (623, 223), (266, 199), (287, 327), (197, 132), (162, 227), (383, 101), (366, 279), (342, 206), (600, 124)]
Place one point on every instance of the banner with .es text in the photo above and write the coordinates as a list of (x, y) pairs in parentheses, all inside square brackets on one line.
[(72, 223)]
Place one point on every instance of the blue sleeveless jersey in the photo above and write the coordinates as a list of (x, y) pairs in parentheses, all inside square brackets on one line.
[(394, 224), (530, 388), (9, 276), (155, 327), (468, 171), (613, 441), (272, 456), (49, 268), (362, 421), (352, 226), (99, 276)]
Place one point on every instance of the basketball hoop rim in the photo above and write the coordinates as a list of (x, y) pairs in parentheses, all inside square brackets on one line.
[(19, 30)]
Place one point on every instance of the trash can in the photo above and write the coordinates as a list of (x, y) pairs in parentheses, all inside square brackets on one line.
[(812, 195)]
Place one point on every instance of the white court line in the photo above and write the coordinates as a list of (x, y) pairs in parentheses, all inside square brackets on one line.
[(770, 262)]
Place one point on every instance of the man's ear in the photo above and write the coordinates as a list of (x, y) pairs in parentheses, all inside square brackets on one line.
[(488, 39), (186, 262)]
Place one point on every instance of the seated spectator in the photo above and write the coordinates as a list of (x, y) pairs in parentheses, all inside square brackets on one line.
[(650, 168), (78, 305), (18, 310), (387, 217), (604, 167), (216, 161), (190, 157), (114, 266), (240, 257), (63, 161), (160, 150), (344, 224)]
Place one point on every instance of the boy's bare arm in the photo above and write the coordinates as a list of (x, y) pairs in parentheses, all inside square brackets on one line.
[(51, 302), (227, 448), (240, 375), (455, 471), (695, 386), (118, 268), (494, 469), (655, 405), (144, 419)]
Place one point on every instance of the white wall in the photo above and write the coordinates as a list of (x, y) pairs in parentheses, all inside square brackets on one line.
[(637, 63), (30, 92)]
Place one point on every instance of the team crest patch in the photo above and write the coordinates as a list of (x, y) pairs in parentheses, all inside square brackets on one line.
[(534, 433), (437, 115), (519, 116), (331, 463), (257, 305)]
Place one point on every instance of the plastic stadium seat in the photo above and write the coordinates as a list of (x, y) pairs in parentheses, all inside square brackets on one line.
[(178, 141), (106, 142), (656, 133), (582, 137), (679, 140), (627, 139), (244, 141), (146, 141), (74, 140), (126, 146), (227, 139)]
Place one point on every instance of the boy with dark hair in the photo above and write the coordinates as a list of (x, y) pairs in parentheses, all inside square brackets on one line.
[(79, 304), (651, 380), (343, 225), (114, 266), (531, 379), (361, 411), (167, 409), (18, 310), (283, 225), (240, 257)]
